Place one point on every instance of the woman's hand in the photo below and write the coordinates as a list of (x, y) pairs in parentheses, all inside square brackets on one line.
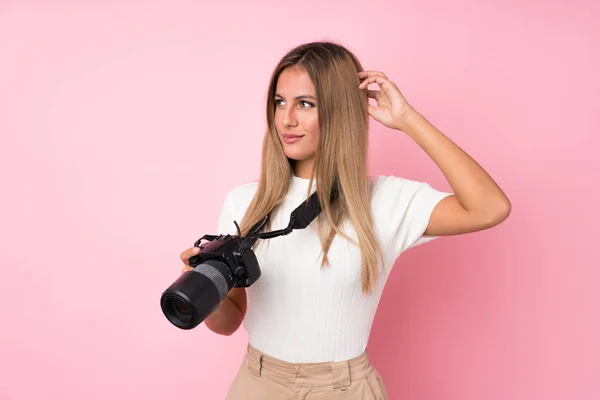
[(185, 258), (392, 108)]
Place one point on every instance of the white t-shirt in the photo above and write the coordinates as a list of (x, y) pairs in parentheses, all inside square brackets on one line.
[(300, 312)]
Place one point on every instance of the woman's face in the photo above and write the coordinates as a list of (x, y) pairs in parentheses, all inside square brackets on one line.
[(296, 114)]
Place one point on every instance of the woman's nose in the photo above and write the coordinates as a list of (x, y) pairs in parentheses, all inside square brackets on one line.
[(289, 117)]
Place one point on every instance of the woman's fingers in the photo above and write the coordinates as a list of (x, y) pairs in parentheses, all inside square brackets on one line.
[(186, 255), (185, 258), (374, 94)]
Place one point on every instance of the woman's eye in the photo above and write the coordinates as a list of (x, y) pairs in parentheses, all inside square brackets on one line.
[(301, 102)]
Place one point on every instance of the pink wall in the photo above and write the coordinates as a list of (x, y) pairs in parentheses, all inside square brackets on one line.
[(124, 125)]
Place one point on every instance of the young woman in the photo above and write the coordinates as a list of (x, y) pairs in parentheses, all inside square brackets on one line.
[(310, 314)]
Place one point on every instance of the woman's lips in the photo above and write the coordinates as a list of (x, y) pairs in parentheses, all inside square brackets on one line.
[(289, 139)]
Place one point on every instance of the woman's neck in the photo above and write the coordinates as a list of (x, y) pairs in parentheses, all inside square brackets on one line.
[(303, 168)]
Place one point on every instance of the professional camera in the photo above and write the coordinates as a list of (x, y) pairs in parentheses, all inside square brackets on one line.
[(225, 262)]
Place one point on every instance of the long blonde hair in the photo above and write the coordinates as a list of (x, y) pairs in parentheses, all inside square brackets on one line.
[(341, 153)]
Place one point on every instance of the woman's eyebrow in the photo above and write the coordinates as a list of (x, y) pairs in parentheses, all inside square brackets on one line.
[(304, 96)]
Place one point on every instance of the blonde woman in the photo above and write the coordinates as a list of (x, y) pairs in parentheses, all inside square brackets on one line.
[(310, 314)]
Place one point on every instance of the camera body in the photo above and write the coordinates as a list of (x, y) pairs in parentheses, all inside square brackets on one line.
[(231, 250)]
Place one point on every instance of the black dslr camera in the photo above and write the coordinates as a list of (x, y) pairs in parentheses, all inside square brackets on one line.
[(225, 262), (221, 265)]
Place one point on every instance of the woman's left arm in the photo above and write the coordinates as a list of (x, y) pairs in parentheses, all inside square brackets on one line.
[(478, 202)]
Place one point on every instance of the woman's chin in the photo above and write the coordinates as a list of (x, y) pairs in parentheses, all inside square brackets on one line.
[(296, 156)]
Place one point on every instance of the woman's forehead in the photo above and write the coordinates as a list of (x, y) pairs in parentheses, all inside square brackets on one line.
[(294, 82)]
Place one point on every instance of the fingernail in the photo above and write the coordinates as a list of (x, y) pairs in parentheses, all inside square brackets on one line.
[(195, 250)]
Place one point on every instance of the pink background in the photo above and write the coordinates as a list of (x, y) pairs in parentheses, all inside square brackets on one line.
[(123, 126)]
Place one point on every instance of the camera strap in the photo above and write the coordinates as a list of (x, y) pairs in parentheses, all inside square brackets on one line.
[(300, 218)]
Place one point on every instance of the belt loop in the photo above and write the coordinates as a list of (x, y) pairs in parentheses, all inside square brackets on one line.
[(254, 365), (340, 372)]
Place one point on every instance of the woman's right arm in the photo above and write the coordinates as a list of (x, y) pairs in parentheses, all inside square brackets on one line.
[(228, 316)]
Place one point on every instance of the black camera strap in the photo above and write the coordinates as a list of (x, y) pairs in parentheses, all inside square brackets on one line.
[(300, 218)]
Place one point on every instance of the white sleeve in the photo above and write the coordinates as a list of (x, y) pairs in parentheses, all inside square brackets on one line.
[(405, 209), (226, 217)]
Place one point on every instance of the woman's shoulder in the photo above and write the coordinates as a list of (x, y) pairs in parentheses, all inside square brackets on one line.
[(386, 183), (240, 196), (244, 189), (392, 189)]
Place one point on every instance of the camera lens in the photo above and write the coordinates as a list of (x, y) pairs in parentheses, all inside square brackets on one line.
[(180, 310), (196, 294)]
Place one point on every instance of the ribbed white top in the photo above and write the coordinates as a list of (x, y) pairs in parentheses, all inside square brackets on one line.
[(300, 312)]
